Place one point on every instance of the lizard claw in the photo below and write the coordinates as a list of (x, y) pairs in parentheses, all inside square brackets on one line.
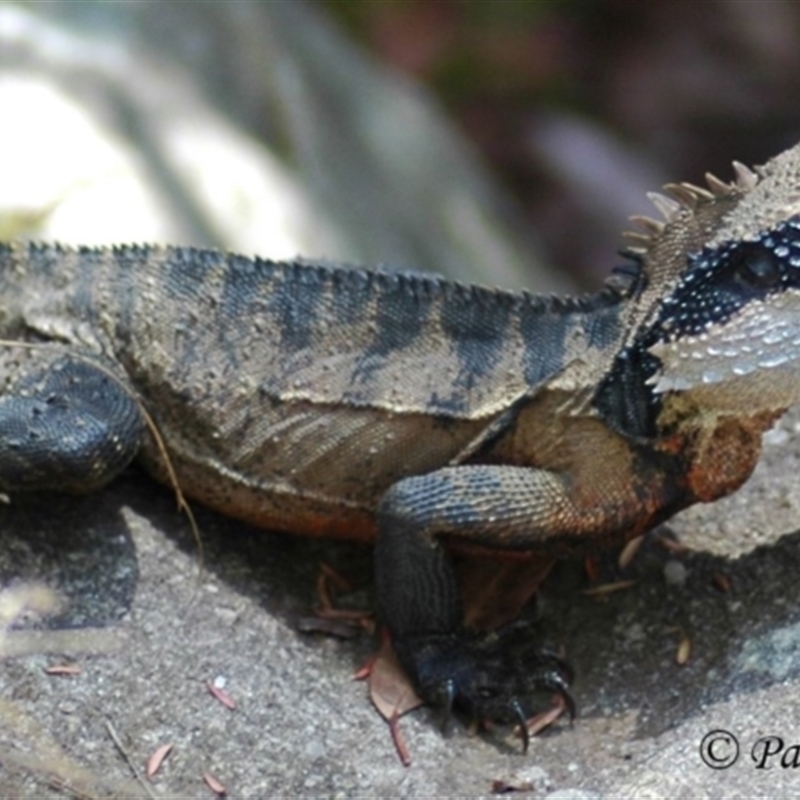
[(490, 676), (449, 691), (516, 707), (557, 684), (555, 675)]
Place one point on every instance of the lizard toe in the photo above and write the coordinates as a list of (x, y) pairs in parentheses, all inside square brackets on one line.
[(489, 676)]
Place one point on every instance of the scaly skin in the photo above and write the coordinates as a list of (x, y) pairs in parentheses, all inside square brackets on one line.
[(412, 410)]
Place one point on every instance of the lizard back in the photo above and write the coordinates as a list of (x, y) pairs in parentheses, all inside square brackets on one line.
[(287, 391)]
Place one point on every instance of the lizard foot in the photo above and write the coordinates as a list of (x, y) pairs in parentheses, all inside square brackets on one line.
[(491, 676)]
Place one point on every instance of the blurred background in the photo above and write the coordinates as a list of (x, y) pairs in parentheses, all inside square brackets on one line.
[(499, 141), (579, 107)]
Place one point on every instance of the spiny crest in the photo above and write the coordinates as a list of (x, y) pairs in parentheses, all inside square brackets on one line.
[(682, 198)]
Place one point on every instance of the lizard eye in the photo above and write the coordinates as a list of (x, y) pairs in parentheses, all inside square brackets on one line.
[(758, 269)]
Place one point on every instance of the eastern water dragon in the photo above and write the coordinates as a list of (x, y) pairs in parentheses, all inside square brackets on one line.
[(417, 412)]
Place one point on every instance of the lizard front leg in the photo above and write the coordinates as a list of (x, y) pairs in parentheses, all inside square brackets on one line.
[(65, 424), (503, 507)]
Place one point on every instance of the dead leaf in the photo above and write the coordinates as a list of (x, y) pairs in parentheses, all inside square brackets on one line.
[(221, 695), (329, 584), (545, 719), (721, 582), (672, 546), (363, 672), (684, 651), (342, 628), (63, 669), (609, 588), (629, 552), (214, 784), (399, 741), (389, 689), (495, 591), (157, 759), (336, 580)]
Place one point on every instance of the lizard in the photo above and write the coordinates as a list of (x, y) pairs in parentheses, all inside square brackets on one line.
[(415, 412)]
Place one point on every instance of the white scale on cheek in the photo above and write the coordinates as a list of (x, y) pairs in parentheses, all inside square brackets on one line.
[(762, 335)]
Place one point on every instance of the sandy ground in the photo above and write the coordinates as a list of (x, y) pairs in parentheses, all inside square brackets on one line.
[(149, 630)]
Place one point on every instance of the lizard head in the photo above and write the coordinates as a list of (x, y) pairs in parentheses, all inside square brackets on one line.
[(718, 313)]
